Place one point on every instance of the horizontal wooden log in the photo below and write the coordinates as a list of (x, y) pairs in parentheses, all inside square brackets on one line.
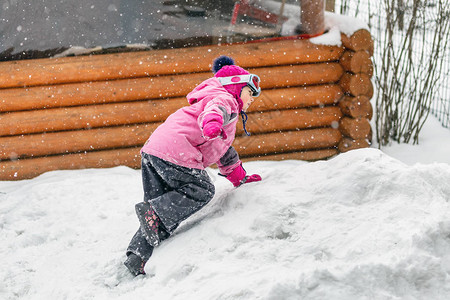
[(355, 128), (357, 84), (296, 97), (160, 62), (302, 155), (357, 62), (359, 40), (135, 135), (279, 142), (347, 144), (294, 119), (299, 75), (32, 167), (356, 107), (96, 116), (87, 117), (156, 87), (74, 141), (99, 92)]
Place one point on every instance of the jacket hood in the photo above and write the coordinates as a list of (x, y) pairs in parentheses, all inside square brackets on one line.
[(208, 88)]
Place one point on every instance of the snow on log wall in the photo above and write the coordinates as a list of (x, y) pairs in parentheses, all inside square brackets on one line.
[(97, 111)]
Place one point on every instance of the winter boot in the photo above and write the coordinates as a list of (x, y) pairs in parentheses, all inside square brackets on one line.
[(135, 264), (149, 221)]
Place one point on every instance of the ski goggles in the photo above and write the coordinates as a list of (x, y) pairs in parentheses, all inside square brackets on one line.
[(251, 80)]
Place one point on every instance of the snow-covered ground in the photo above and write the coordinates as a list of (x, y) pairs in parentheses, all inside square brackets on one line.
[(366, 224)]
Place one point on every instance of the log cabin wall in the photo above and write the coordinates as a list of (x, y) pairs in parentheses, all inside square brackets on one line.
[(98, 111)]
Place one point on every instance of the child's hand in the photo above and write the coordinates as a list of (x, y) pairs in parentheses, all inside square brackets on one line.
[(251, 178), (211, 130), (239, 176)]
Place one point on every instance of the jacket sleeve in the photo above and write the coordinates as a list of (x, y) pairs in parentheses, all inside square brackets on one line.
[(217, 110), (229, 161)]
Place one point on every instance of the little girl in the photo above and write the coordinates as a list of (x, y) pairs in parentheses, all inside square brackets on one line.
[(175, 156)]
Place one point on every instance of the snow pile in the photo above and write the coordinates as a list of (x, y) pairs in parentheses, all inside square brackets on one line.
[(362, 225)]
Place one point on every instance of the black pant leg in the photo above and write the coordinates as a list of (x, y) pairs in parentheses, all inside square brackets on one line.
[(139, 246), (152, 183), (154, 186), (189, 191)]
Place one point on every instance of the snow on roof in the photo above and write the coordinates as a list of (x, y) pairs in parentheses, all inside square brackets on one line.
[(336, 24)]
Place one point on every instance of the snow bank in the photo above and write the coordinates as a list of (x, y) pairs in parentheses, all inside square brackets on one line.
[(360, 226)]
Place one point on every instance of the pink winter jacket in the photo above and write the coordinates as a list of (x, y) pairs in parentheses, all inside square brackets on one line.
[(179, 139)]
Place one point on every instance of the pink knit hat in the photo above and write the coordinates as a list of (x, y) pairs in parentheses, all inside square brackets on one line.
[(224, 66)]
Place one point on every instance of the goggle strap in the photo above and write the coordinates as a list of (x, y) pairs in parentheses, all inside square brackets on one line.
[(227, 80)]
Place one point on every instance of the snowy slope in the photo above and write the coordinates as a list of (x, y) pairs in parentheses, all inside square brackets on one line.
[(362, 225)]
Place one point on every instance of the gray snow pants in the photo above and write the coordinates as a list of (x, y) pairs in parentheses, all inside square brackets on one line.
[(174, 192)]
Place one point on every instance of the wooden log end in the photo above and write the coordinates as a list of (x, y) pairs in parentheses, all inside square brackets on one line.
[(356, 107), (359, 40), (357, 62), (355, 128), (347, 144), (356, 84)]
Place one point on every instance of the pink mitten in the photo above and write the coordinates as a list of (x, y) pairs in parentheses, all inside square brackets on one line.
[(252, 178), (212, 130), (212, 127), (238, 176)]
